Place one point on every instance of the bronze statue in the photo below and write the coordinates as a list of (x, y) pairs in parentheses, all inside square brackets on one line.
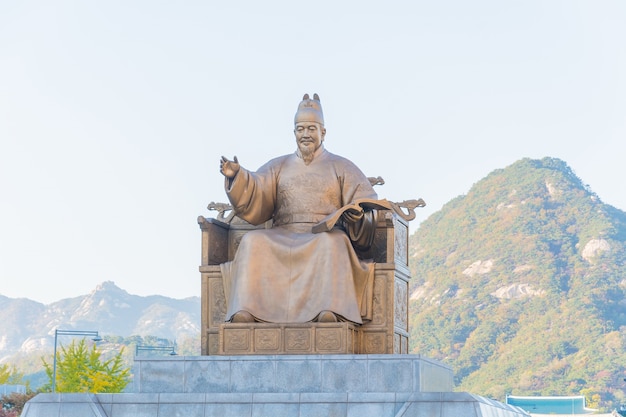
[(288, 274)]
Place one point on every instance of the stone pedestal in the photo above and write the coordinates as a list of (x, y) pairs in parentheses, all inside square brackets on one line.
[(280, 386), (291, 374)]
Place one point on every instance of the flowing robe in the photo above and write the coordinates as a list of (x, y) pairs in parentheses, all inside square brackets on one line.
[(287, 274)]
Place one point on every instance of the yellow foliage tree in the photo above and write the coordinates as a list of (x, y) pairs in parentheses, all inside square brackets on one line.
[(80, 369), (10, 375)]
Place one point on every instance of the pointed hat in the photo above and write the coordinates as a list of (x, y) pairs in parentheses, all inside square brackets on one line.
[(310, 110)]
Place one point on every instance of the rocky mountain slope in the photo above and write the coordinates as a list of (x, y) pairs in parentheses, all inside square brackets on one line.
[(27, 327), (520, 286)]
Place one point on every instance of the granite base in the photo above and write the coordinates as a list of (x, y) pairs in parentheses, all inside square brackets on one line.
[(280, 386)]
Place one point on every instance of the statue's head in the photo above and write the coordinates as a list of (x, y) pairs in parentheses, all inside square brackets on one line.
[(309, 127)]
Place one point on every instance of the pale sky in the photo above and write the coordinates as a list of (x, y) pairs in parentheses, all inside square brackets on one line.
[(114, 115)]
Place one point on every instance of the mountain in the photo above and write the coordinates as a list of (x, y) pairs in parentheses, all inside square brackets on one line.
[(27, 327), (520, 286)]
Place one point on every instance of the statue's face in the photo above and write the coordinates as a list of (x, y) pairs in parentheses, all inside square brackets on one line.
[(309, 136)]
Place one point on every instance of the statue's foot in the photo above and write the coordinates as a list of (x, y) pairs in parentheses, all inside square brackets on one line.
[(327, 317), (242, 317)]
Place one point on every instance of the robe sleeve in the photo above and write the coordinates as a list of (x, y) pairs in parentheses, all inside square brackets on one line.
[(361, 233), (253, 194), (356, 185)]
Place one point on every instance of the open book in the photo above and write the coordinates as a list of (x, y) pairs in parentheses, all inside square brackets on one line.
[(329, 221)]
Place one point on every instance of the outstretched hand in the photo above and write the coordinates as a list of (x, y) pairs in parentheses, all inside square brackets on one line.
[(229, 168)]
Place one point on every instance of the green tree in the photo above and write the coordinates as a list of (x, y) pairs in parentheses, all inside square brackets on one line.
[(80, 369)]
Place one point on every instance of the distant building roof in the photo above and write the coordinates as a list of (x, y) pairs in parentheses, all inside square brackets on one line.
[(550, 405)]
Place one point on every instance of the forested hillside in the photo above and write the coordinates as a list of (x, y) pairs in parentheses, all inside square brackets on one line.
[(520, 286)]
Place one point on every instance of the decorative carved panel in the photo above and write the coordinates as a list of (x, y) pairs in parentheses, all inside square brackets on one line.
[(218, 302), (236, 340), (328, 339), (298, 340), (401, 305), (267, 339), (379, 299), (400, 242), (374, 342)]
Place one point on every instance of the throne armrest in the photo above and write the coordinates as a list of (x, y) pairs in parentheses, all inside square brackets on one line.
[(214, 241)]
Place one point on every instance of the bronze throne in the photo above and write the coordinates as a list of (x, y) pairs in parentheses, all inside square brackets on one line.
[(386, 332)]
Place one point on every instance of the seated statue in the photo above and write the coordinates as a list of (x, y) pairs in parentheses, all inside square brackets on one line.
[(288, 274)]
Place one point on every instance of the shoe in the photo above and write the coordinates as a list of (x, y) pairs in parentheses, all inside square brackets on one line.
[(327, 316), (242, 316)]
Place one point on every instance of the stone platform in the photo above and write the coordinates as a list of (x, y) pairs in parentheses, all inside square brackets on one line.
[(280, 386), (291, 374), (425, 404)]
